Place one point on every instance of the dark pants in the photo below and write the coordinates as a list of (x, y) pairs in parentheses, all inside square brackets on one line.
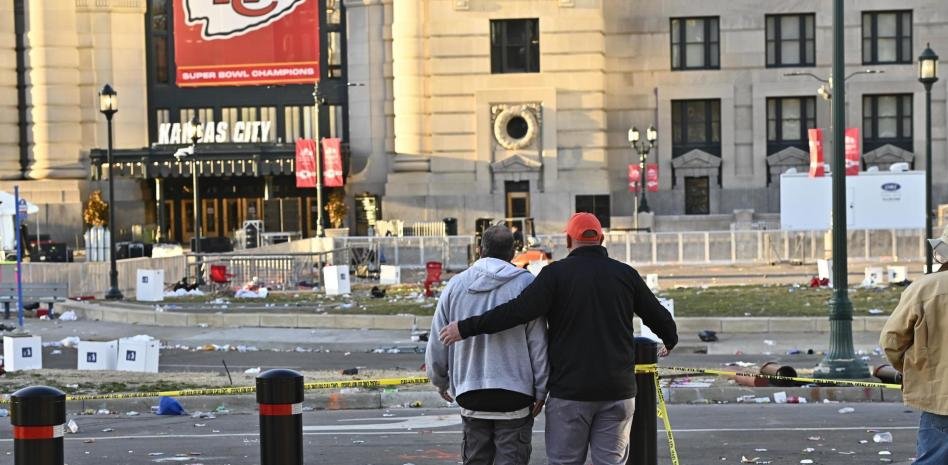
[(497, 442)]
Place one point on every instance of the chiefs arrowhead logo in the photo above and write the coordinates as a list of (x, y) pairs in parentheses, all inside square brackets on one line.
[(224, 19)]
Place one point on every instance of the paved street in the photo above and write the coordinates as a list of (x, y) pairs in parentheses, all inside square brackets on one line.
[(705, 434)]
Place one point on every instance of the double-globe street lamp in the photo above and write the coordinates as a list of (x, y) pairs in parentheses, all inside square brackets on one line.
[(642, 148), (928, 75), (108, 106)]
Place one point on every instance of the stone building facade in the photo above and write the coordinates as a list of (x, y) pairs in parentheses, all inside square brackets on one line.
[(494, 108), (711, 76)]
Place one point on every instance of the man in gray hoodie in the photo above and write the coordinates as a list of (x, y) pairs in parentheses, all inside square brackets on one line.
[(499, 380)]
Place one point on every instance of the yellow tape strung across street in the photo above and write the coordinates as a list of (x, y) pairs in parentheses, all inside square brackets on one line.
[(838, 382), (228, 391), (663, 414)]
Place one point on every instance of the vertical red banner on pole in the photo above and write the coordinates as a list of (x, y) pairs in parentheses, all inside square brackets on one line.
[(305, 163), (635, 177), (816, 153), (651, 177), (853, 152), (332, 163)]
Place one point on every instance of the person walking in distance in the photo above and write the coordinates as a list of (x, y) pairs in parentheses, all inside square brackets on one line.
[(915, 340), (499, 380), (588, 300)]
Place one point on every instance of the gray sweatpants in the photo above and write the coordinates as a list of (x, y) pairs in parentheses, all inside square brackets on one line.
[(575, 428), (497, 442)]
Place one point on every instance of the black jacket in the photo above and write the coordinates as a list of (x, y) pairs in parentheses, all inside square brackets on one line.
[(588, 300)]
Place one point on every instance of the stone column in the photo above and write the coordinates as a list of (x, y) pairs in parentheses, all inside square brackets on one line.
[(367, 110), (9, 129), (409, 71), (53, 93), (111, 45)]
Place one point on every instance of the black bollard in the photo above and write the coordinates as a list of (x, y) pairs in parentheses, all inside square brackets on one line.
[(280, 395), (644, 437), (38, 416)]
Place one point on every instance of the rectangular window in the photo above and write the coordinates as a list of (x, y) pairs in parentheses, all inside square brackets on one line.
[(597, 205), (514, 46), (886, 37), (788, 120), (887, 119), (696, 124), (159, 16), (335, 54), (791, 40), (695, 43)]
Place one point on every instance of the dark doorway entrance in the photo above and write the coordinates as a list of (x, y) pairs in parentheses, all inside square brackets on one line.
[(697, 196), (518, 199)]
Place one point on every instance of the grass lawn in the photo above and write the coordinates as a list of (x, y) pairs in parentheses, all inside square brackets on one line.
[(760, 301), (776, 301)]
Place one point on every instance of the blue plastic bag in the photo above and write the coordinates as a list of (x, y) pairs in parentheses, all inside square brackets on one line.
[(170, 406)]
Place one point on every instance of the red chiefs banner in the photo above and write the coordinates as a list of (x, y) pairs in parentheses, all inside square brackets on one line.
[(651, 177), (332, 163), (816, 153), (852, 152), (246, 42), (305, 163), (635, 176)]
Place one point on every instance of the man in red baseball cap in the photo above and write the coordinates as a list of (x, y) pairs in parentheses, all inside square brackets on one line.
[(588, 300)]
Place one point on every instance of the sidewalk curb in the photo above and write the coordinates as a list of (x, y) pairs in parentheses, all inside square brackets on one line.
[(374, 400), (744, 325)]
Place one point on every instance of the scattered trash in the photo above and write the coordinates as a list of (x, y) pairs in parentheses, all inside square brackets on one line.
[(881, 438), (132, 414), (358, 442), (747, 460), (377, 293), (884, 452), (876, 311), (847, 410), (68, 316), (72, 427), (350, 371), (103, 411), (769, 342), (809, 449), (56, 352), (4, 412), (815, 438), (252, 371), (70, 342), (806, 461), (170, 406), (780, 397), (108, 430), (708, 336)]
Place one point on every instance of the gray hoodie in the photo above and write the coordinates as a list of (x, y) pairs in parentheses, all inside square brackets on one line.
[(514, 359)]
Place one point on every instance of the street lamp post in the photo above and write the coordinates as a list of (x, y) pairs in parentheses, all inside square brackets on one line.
[(841, 361), (108, 106), (642, 148), (195, 136), (928, 75), (318, 101)]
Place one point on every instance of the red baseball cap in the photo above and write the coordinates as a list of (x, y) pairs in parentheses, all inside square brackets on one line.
[(579, 226)]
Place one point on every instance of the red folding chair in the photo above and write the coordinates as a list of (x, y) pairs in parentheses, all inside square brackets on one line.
[(220, 277), (433, 278)]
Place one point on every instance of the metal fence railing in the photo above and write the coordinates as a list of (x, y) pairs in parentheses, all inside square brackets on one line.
[(281, 269)]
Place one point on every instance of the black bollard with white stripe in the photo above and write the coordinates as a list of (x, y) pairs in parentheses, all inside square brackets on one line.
[(38, 416), (644, 438), (280, 395)]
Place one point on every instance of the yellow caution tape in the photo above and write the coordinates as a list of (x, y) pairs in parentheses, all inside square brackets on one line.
[(228, 391), (838, 382), (663, 414)]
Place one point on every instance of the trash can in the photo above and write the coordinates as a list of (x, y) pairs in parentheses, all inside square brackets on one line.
[(451, 226)]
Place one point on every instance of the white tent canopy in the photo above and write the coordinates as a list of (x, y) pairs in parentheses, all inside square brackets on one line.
[(8, 204)]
